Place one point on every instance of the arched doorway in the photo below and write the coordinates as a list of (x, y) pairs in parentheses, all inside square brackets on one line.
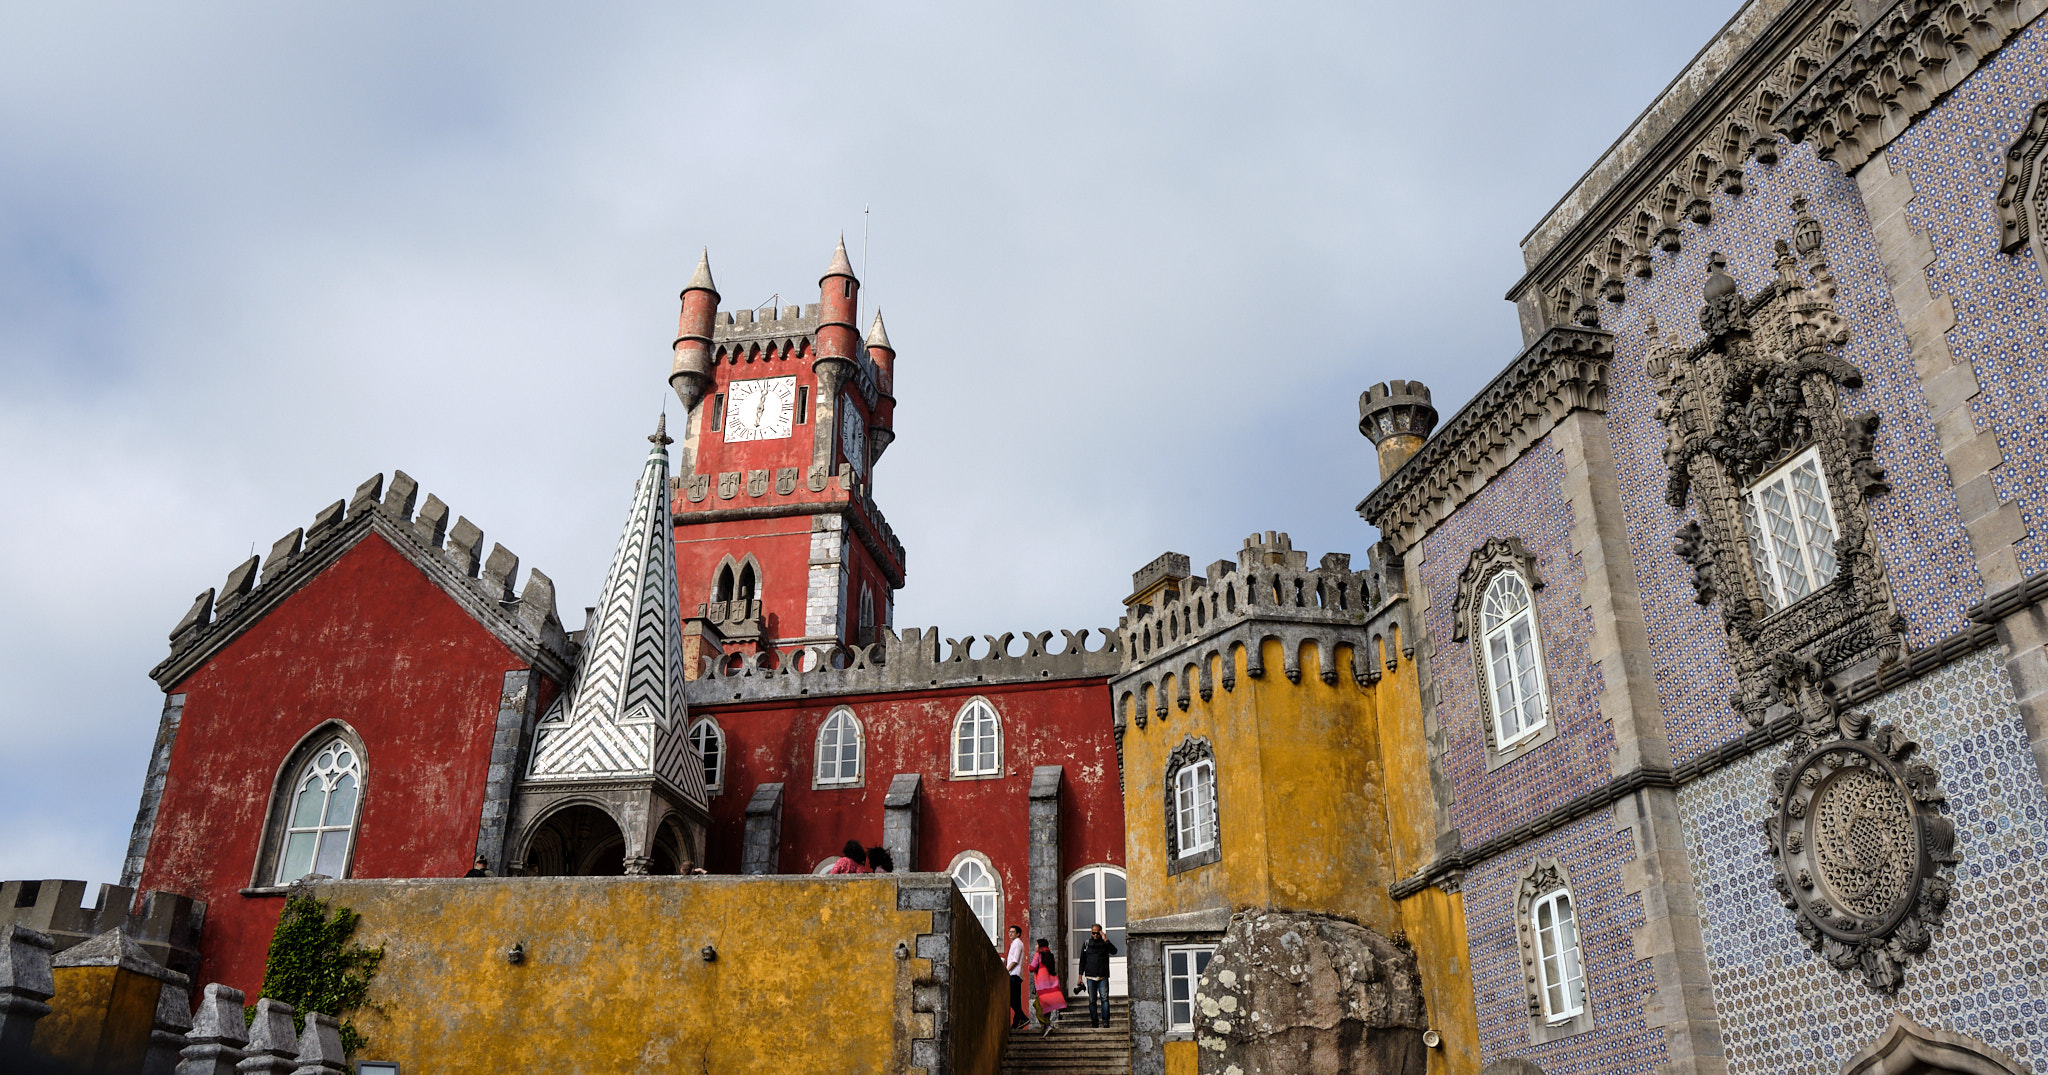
[(577, 841), (1097, 894)]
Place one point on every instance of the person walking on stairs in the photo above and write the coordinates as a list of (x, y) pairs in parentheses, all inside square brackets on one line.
[(1095, 953), (1052, 996), (1013, 962)]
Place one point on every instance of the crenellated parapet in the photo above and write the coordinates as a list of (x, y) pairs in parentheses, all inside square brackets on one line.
[(166, 925), (1187, 642), (914, 659), (452, 556)]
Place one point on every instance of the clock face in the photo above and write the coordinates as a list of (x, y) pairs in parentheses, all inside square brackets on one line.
[(853, 436), (759, 409)]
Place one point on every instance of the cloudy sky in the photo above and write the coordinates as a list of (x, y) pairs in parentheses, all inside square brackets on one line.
[(1138, 261)]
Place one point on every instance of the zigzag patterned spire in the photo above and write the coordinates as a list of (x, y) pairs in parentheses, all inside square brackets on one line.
[(624, 715)]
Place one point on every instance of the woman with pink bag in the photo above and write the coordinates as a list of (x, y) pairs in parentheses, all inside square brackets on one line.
[(1052, 996)]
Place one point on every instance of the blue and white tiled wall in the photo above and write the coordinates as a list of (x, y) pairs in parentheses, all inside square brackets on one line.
[(1784, 1010)]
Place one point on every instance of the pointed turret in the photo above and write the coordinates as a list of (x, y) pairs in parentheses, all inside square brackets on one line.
[(690, 375), (624, 714), (838, 344), (840, 265), (883, 429)]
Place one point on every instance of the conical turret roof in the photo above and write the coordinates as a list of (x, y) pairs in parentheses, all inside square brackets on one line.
[(624, 715), (877, 335), (840, 266), (701, 279)]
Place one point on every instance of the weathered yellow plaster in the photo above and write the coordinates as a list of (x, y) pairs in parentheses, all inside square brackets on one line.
[(1181, 1057), (99, 1019), (1323, 800), (806, 975)]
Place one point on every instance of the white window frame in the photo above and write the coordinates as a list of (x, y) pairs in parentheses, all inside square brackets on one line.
[(983, 738), (1560, 956), (989, 895), (1191, 972), (714, 765), (843, 719), (1810, 561), (1188, 804), (1518, 675), (347, 765)]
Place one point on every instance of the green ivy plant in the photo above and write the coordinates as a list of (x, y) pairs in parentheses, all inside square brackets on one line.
[(314, 967)]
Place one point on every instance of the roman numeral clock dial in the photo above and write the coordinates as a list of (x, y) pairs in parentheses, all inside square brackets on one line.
[(760, 409)]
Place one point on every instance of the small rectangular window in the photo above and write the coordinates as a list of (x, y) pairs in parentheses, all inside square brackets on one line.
[(718, 411), (1791, 528), (1184, 967), (803, 405), (1195, 807)]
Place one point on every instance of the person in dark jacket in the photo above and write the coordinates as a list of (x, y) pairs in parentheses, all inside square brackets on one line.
[(1095, 953)]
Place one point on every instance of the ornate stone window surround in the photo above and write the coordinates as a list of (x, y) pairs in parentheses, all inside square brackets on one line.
[(1760, 394), (263, 880), (968, 724), (1191, 751), (1489, 560), (832, 775), (1544, 878), (2023, 199)]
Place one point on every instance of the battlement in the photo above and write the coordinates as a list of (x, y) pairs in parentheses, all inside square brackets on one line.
[(759, 324), (167, 925), (452, 555), (1396, 407), (910, 660), (1269, 581)]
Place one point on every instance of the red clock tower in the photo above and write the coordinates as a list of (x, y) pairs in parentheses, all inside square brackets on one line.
[(778, 539)]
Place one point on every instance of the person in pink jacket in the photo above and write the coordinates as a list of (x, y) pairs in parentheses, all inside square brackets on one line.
[(1045, 980)]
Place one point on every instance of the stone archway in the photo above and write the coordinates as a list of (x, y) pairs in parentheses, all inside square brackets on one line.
[(576, 841), (1907, 1048)]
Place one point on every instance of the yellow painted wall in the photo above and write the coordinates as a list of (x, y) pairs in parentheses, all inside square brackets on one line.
[(806, 977), (1323, 801), (99, 1019), (1182, 1057)]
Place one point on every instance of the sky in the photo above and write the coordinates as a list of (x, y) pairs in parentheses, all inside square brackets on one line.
[(1138, 261)]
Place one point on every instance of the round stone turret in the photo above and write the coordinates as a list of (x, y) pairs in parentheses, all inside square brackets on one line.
[(1397, 417)]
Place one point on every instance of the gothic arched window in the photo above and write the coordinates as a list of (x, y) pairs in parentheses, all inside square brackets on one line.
[(708, 739), (320, 824), (839, 753), (977, 740)]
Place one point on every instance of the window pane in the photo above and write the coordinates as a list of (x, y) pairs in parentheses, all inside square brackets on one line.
[(306, 812), (332, 858), (1084, 888), (1777, 519), (298, 857), (1202, 961), (1759, 554), (341, 802), (1113, 885), (1818, 530)]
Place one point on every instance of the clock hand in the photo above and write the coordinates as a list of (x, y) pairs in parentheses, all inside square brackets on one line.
[(760, 408)]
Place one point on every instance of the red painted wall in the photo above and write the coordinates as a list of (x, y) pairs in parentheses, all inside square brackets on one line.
[(370, 641), (1063, 723), (781, 546)]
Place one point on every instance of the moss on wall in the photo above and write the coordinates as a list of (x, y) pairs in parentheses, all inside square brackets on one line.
[(314, 966)]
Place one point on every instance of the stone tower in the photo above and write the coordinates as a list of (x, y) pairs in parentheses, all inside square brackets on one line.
[(778, 539), (1275, 787)]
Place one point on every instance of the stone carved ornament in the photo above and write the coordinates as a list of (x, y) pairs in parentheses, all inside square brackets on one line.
[(1190, 751), (1490, 558), (1865, 860), (1761, 387)]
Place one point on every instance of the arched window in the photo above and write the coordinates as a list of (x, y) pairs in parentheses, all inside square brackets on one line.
[(709, 742), (865, 635), (1513, 656), (839, 749), (1193, 836), (982, 890), (1553, 961), (1563, 975), (321, 824), (723, 592), (977, 740), (745, 592), (1096, 895)]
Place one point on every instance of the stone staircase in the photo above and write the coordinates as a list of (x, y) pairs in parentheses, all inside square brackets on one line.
[(1075, 1048)]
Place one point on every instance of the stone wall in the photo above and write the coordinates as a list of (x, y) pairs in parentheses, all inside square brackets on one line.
[(847, 974)]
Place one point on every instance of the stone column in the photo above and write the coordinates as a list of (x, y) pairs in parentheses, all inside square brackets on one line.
[(508, 745), (214, 1044), (899, 819), (167, 1034), (25, 984), (273, 1047), (761, 840), (1045, 856)]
